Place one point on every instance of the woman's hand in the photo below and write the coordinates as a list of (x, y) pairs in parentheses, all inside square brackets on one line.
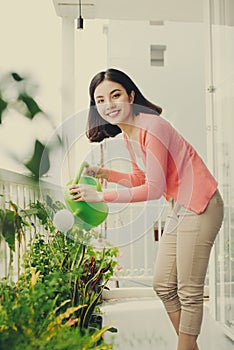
[(95, 171), (81, 193)]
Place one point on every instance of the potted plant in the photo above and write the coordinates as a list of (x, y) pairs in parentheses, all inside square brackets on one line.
[(57, 295)]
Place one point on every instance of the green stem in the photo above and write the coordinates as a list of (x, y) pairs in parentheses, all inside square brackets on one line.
[(77, 178)]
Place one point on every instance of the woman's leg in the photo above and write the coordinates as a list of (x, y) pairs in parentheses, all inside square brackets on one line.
[(165, 279), (187, 342), (195, 238), (185, 318), (165, 271), (175, 320)]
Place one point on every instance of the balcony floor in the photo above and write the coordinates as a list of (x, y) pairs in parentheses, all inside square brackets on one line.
[(143, 324)]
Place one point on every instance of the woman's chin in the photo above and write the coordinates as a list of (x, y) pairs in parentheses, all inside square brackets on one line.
[(114, 121)]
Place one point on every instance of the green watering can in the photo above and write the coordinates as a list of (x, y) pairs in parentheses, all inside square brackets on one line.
[(87, 215)]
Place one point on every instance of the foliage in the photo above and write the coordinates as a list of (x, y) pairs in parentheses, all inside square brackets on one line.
[(77, 271), (29, 319), (16, 94), (12, 225), (39, 163), (55, 302)]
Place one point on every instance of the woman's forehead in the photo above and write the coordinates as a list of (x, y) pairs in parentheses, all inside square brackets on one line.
[(107, 87)]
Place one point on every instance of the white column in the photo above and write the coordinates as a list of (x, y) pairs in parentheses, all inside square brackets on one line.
[(68, 95), (68, 67)]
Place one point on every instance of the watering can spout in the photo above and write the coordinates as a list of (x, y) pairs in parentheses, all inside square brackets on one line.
[(77, 178)]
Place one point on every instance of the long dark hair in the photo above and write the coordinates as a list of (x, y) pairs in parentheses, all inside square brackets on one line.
[(97, 128)]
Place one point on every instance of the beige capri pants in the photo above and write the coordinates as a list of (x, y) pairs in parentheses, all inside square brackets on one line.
[(182, 260)]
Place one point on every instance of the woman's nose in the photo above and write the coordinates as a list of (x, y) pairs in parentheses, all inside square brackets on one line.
[(110, 104)]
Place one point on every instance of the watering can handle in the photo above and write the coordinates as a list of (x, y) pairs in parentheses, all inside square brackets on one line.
[(77, 178)]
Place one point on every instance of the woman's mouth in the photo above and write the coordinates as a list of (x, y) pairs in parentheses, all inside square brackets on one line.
[(114, 113)]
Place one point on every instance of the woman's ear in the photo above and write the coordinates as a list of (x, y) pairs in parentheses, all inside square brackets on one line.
[(132, 96)]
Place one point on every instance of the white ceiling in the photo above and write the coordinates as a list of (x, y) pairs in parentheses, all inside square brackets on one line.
[(157, 10)]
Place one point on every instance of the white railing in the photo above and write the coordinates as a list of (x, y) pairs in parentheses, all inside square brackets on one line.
[(21, 190), (136, 257)]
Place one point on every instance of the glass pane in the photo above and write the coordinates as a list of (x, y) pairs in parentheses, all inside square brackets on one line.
[(223, 97)]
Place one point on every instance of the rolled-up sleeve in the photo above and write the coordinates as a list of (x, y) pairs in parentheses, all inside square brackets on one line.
[(142, 188)]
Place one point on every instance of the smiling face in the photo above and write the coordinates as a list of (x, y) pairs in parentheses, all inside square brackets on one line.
[(113, 103)]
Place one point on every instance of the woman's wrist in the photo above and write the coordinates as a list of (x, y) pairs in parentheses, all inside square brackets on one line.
[(103, 173)]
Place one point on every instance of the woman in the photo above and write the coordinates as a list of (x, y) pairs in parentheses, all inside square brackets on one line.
[(171, 168)]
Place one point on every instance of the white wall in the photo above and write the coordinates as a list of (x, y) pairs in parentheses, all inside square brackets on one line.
[(30, 44), (179, 86), (91, 57), (30, 37)]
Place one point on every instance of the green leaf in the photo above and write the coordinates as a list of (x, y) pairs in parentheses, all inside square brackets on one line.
[(25, 223), (29, 212), (85, 317), (31, 104), (57, 205), (13, 206), (39, 164), (3, 106), (8, 228), (112, 330), (49, 201), (16, 76), (96, 336)]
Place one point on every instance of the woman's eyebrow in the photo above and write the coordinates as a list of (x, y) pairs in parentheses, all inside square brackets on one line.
[(113, 91)]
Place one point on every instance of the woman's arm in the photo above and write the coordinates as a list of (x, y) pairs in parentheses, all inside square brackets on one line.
[(135, 178), (80, 192), (154, 186)]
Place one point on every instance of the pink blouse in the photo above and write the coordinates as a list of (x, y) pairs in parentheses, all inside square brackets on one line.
[(173, 169)]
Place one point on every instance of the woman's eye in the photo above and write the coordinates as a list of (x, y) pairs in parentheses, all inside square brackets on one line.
[(100, 101), (116, 95)]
